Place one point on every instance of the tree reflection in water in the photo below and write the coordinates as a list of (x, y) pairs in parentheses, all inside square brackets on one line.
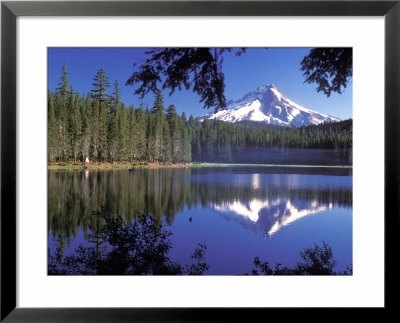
[(73, 196), (139, 247)]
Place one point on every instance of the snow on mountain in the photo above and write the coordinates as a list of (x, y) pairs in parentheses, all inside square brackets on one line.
[(267, 104)]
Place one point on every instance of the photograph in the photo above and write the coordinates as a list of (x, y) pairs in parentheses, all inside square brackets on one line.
[(220, 161)]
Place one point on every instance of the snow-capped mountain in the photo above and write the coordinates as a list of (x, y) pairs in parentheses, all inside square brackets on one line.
[(267, 104)]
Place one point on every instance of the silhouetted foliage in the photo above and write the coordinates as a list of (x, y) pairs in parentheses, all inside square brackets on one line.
[(317, 260), (330, 68), (139, 247), (183, 67)]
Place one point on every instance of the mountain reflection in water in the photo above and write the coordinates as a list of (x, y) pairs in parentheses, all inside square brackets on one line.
[(271, 200), (237, 212), (270, 216)]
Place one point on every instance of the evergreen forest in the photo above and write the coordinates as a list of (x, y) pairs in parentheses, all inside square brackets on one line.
[(101, 128)]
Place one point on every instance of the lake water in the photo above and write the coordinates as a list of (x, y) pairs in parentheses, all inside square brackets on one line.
[(237, 212)]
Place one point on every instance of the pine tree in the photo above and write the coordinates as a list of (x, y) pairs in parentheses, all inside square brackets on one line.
[(86, 128), (157, 129), (207, 137), (113, 136), (194, 129), (99, 95), (184, 119), (52, 131), (64, 87), (122, 132), (101, 84), (187, 146), (103, 133), (61, 112), (117, 94), (132, 137), (61, 103), (121, 115), (95, 125), (113, 126), (165, 141), (75, 125), (142, 134), (176, 133)]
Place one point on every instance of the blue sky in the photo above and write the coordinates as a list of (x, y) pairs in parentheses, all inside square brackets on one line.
[(258, 66)]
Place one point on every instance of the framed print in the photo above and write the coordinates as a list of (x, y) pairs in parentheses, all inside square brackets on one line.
[(123, 199)]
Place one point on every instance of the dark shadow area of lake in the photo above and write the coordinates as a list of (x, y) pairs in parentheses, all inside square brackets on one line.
[(283, 156)]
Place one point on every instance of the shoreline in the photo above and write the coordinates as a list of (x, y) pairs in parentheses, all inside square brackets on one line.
[(146, 165)]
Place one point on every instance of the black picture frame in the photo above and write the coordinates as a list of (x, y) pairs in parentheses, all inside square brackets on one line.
[(10, 10)]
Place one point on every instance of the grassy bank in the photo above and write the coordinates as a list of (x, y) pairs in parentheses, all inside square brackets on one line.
[(71, 166), (116, 165)]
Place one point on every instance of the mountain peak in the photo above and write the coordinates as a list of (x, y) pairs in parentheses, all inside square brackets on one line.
[(266, 87), (268, 104)]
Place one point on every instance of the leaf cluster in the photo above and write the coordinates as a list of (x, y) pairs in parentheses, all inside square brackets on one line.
[(178, 68), (329, 68)]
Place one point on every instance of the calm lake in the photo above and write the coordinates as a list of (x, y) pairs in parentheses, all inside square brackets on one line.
[(237, 212)]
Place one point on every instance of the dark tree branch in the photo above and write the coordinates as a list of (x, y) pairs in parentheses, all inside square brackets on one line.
[(330, 68), (182, 68)]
